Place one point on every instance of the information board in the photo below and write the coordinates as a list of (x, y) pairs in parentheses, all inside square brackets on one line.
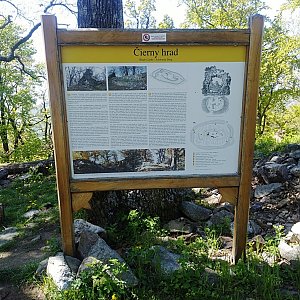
[(139, 111), (156, 109)]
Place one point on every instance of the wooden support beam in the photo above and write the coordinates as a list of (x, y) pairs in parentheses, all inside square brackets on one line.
[(248, 138), (81, 200), (60, 135), (229, 195)]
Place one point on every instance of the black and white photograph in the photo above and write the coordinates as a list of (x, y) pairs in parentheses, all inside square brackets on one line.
[(87, 78), (132, 160), (123, 78)]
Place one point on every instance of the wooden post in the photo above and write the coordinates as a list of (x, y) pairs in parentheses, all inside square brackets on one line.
[(248, 138), (60, 135)]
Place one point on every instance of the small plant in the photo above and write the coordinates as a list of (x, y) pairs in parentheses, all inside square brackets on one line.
[(99, 282)]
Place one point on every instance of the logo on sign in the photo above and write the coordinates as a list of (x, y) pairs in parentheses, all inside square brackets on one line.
[(146, 37), (154, 37)]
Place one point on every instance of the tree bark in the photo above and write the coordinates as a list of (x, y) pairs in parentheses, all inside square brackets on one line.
[(100, 14)]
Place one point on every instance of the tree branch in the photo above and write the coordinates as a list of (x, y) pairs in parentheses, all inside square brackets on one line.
[(6, 22)]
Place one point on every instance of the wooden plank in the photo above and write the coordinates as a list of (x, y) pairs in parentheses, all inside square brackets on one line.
[(229, 195), (152, 183), (242, 208), (81, 200), (60, 137), (123, 37)]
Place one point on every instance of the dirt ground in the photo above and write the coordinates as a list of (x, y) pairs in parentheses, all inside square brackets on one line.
[(31, 249)]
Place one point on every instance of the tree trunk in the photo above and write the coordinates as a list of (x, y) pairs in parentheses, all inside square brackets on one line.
[(100, 14), (107, 206)]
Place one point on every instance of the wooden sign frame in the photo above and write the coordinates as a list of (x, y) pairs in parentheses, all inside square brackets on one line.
[(75, 194)]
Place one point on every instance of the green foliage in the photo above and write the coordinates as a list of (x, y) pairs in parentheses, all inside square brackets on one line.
[(278, 81), (19, 275), (221, 14), (100, 281), (20, 81), (166, 23), (25, 194), (140, 13)]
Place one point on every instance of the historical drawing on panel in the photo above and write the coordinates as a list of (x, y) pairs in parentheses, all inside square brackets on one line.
[(215, 104), (123, 78), (85, 78), (216, 86), (212, 135), (216, 82), (167, 76)]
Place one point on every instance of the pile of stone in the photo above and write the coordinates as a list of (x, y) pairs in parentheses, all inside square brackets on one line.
[(276, 185)]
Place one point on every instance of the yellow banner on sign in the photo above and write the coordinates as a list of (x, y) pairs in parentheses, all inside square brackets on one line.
[(155, 54)]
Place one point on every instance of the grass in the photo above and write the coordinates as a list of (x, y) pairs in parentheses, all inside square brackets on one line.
[(27, 194), (135, 234), (253, 279)]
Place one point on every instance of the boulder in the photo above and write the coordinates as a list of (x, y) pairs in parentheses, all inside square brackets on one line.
[(8, 235), (195, 212), (274, 172), (165, 260), (81, 225), (289, 252), (295, 171), (90, 244), (60, 272), (32, 213), (264, 190), (220, 217), (3, 174), (180, 225)]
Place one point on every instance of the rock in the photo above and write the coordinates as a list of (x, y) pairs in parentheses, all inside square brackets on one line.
[(7, 235), (212, 276), (5, 182), (295, 171), (253, 228), (220, 217), (269, 258), (257, 242), (292, 147), (60, 272), (225, 206), (213, 199), (296, 228), (31, 213), (73, 263), (180, 225), (3, 174), (87, 263), (81, 225), (295, 154), (90, 244), (273, 172), (36, 239), (42, 267), (195, 212), (289, 252), (264, 190), (164, 260), (256, 206), (282, 203), (226, 241)]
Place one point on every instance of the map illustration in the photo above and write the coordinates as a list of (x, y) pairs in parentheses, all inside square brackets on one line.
[(212, 135), (167, 76)]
